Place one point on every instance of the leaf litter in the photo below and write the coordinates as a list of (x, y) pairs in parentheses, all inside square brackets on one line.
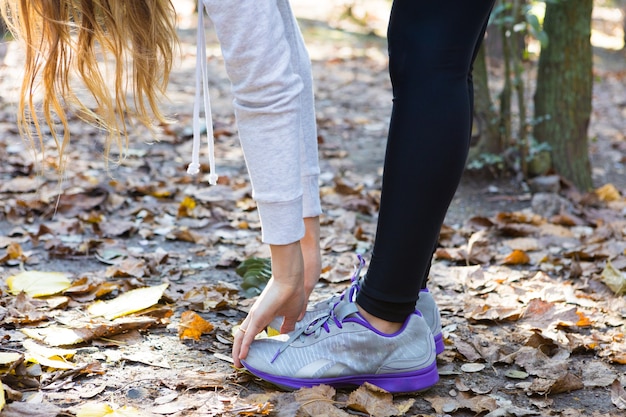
[(532, 302)]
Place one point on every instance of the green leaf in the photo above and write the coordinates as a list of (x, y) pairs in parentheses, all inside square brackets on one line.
[(256, 272)]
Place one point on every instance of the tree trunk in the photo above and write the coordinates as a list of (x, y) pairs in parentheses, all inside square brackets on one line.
[(564, 87), (485, 116)]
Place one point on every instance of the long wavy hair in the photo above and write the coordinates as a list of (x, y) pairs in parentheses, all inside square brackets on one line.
[(64, 39)]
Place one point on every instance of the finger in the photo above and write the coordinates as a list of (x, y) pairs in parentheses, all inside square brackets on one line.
[(246, 340), (238, 338), (288, 325)]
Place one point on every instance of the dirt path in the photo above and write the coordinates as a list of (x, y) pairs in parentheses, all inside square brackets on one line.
[(158, 373)]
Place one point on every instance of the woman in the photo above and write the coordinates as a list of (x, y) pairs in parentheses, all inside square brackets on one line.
[(270, 72), (373, 333)]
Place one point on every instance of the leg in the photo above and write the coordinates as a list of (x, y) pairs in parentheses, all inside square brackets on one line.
[(431, 46)]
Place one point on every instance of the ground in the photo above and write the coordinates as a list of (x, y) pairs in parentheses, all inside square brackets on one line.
[(540, 337)]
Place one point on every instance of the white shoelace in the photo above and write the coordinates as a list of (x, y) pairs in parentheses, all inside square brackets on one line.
[(202, 95)]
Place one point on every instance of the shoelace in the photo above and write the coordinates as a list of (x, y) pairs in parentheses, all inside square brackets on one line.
[(355, 285), (341, 309), (202, 95), (335, 317)]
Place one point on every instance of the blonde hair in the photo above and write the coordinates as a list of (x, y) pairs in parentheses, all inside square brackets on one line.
[(63, 38)]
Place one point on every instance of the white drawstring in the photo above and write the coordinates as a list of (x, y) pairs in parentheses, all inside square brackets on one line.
[(202, 78)]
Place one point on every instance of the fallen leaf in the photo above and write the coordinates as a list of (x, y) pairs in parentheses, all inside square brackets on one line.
[(608, 192), (598, 374), (252, 410), (515, 374), (52, 357), (148, 358), (472, 367), (566, 383), (66, 336), (130, 267), (478, 404), (105, 410), (374, 401), (38, 283), (618, 395), (127, 303), (318, 401), (192, 326), (186, 207), (14, 251), (2, 399), (517, 257), (614, 279)]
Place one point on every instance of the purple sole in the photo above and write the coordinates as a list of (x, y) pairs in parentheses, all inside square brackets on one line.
[(394, 383), (439, 346)]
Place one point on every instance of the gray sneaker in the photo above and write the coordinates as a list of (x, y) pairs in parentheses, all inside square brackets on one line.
[(425, 304), (343, 349)]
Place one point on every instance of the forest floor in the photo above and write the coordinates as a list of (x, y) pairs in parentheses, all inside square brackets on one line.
[(524, 280)]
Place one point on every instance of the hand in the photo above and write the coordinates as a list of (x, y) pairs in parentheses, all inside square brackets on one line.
[(284, 296)]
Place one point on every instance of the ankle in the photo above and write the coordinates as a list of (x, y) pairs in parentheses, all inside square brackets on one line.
[(383, 326)]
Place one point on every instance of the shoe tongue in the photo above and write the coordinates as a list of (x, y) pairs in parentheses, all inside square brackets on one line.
[(344, 309)]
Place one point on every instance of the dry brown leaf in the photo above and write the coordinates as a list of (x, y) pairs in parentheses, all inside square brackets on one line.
[(192, 326), (318, 401), (614, 278), (375, 401), (252, 410), (545, 315), (567, 383), (535, 362), (130, 267), (478, 404), (14, 251), (618, 395), (65, 336), (523, 244), (519, 217)]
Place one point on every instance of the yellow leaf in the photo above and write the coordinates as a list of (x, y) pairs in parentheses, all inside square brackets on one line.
[(14, 250), (38, 283), (186, 206), (192, 326), (614, 279), (2, 400), (127, 303), (55, 335), (608, 192), (51, 357), (7, 358), (272, 331), (105, 410)]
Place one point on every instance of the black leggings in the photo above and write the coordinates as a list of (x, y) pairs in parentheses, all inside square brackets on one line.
[(432, 45)]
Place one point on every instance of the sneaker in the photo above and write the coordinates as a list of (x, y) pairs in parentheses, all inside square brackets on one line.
[(425, 304), (343, 349)]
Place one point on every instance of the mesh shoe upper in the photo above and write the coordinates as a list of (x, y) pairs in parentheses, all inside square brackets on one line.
[(425, 304), (341, 348)]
